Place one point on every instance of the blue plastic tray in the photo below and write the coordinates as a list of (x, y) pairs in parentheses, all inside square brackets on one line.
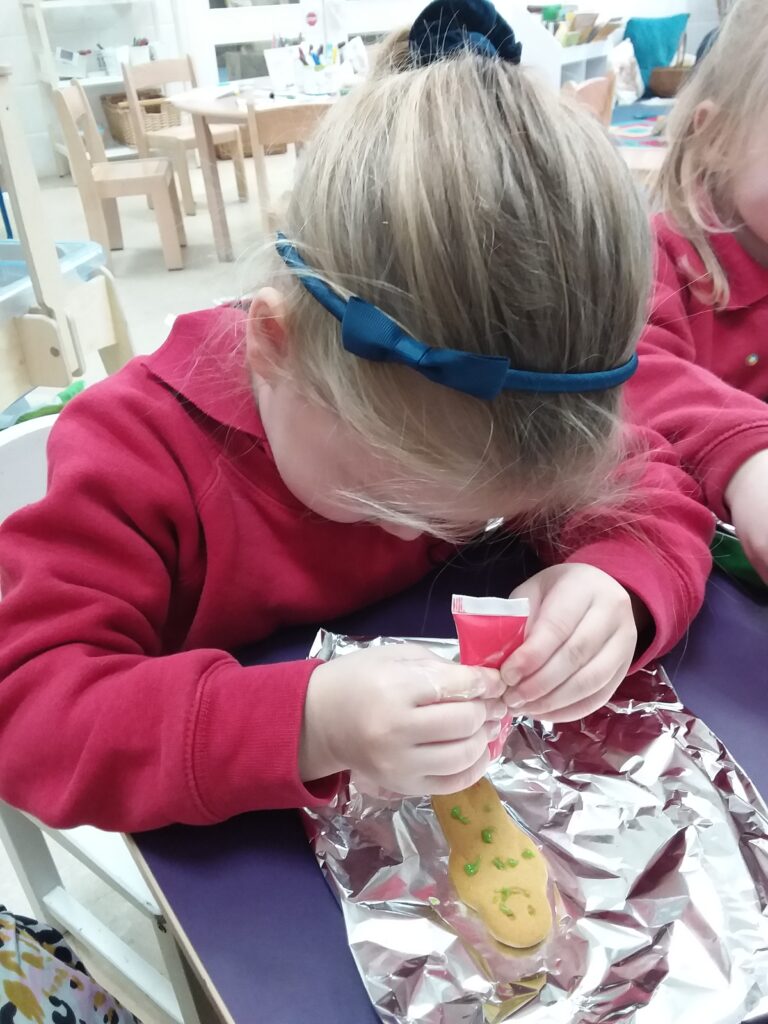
[(78, 261)]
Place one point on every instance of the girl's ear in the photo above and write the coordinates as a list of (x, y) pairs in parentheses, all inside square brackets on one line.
[(266, 336), (702, 114)]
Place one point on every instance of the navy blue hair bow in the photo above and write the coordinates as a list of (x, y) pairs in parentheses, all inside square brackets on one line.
[(368, 332), (445, 26)]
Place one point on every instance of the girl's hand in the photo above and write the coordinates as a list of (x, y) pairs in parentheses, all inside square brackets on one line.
[(579, 644), (401, 717), (747, 498)]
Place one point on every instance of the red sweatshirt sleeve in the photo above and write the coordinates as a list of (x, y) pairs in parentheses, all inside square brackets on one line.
[(98, 724), (714, 427), (655, 541)]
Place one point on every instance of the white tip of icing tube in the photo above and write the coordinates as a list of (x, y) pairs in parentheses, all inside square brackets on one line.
[(463, 605)]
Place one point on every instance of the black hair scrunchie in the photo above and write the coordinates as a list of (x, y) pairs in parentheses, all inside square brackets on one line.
[(447, 26)]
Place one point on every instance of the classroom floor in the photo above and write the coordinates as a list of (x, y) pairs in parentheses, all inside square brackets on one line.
[(151, 296)]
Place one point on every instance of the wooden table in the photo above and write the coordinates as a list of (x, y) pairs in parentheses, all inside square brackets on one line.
[(246, 899), (644, 162), (226, 106)]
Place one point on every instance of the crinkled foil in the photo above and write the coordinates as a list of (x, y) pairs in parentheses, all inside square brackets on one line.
[(657, 845)]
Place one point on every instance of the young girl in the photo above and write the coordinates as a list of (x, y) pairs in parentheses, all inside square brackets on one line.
[(439, 340), (703, 377)]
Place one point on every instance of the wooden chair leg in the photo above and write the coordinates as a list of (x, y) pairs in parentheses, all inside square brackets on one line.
[(167, 226), (181, 166), (238, 163), (260, 163), (112, 219), (97, 226), (181, 231)]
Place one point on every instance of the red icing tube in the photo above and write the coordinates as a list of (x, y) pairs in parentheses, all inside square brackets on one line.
[(489, 630)]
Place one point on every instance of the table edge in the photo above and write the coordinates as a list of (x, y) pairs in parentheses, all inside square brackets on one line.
[(187, 947)]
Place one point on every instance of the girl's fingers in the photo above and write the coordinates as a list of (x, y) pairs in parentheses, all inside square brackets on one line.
[(585, 643), (582, 708), (604, 672), (453, 757), (547, 633), (442, 784), (440, 723), (434, 680)]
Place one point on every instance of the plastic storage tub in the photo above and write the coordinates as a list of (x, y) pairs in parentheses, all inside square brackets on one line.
[(78, 261)]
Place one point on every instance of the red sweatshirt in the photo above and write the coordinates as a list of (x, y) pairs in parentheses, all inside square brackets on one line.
[(166, 540), (693, 358)]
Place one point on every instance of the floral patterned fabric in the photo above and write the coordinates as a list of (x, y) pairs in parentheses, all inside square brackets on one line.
[(43, 982)]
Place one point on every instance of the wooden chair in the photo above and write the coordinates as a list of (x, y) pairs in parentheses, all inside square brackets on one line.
[(278, 127), (175, 142), (101, 183), (597, 94)]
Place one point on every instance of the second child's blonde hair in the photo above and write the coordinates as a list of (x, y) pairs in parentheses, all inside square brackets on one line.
[(695, 185), (481, 213)]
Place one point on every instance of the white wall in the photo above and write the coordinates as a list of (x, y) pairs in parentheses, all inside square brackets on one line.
[(28, 94)]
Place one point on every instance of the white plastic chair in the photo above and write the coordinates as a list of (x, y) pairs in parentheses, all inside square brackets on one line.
[(106, 854)]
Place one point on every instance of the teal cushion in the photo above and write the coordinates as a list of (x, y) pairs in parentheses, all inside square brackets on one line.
[(655, 41)]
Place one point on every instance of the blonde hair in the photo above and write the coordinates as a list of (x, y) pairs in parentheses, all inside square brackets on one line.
[(483, 213), (695, 185)]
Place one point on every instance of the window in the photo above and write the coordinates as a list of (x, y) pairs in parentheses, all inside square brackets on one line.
[(244, 60), (249, 3)]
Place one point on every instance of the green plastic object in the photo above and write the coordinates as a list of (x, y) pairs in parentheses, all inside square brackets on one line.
[(728, 555), (55, 407), (552, 13)]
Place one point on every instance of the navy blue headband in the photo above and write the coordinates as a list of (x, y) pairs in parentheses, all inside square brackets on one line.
[(446, 26), (367, 332)]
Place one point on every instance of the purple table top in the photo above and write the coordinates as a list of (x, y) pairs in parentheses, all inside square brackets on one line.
[(249, 895)]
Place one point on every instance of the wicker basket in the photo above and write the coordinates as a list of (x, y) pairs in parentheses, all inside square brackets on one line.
[(158, 113), (224, 150), (666, 82)]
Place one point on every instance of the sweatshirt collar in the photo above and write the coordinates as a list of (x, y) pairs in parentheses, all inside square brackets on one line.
[(748, 279), (203, 360)]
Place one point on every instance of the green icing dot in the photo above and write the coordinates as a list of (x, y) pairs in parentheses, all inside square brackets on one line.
[(498, 863), (511, 862), (506, 911), (511, 890), (456, 813), (487, 835), (472, 867), (528, 854)]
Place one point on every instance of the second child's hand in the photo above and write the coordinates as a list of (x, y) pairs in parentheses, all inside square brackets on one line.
[(747, 498)]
